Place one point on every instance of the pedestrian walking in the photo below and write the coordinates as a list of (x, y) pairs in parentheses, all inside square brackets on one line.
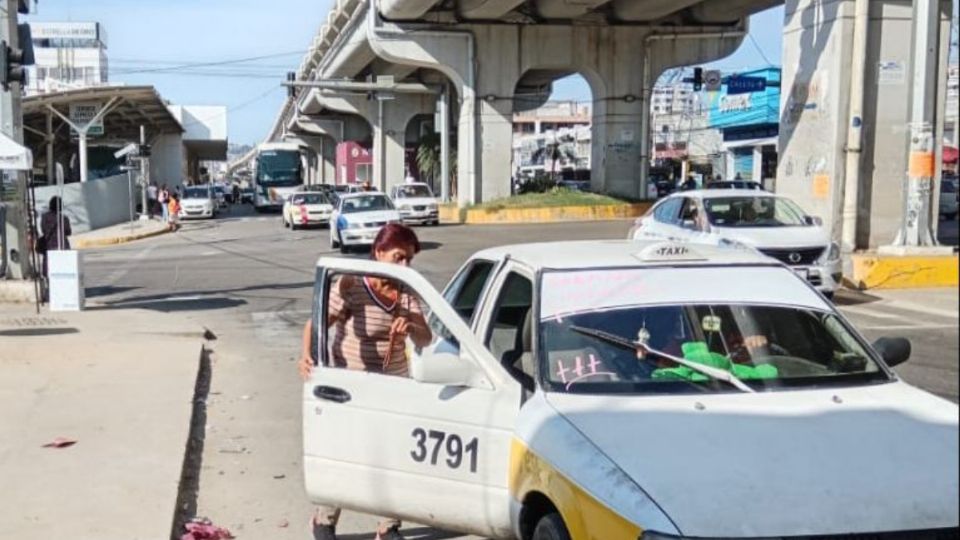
[(371, 318), (55, 231), (163, 198), (152, 201), (173, 213)]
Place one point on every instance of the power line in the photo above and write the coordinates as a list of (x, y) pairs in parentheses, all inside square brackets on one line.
[(212, 63), (759, 50), (234, 108)]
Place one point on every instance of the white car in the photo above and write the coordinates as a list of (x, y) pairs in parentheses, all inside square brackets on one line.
[(305, 209), (416, 203), (358, 217), (948, 198), (198, 202), (769, 223), (626, 390)]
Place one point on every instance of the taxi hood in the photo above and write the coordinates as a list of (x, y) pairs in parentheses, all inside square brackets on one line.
[(865, 459), (372, 216), (415, 201), (776, 237)]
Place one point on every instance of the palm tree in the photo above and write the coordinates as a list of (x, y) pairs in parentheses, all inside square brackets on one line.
[(428, 161)]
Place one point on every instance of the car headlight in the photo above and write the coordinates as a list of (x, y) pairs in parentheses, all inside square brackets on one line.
[(834, 253)]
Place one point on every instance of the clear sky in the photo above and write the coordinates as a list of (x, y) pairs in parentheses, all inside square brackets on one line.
[(149, 40)]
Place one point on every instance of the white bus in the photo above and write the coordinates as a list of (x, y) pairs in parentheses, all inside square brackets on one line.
[(278, 170)]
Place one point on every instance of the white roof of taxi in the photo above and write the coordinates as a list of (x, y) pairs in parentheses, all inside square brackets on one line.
[(359, 194), (724, 193), (583, 255)]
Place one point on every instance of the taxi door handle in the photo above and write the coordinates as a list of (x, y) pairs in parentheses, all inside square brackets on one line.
[(330, 393)]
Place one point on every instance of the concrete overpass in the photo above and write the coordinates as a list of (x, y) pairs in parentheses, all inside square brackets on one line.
[(492, 58)]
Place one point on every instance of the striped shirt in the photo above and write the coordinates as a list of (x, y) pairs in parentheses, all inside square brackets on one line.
[(362, 328)]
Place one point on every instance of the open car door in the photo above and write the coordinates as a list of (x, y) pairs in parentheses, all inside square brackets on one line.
[(433, 448)]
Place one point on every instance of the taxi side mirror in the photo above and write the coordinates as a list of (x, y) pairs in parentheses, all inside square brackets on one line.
[(446, 368), (894, 351)]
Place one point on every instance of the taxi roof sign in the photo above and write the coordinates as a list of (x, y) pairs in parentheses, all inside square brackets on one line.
[(669, 251)]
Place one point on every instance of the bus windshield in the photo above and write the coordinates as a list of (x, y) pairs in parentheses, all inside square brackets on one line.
[(278, 168)]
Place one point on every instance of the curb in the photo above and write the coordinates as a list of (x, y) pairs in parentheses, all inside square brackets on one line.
[(545, 214), (81, 243), (872, 271)]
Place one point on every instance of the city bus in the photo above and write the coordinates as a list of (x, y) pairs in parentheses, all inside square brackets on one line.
[(278, 170)]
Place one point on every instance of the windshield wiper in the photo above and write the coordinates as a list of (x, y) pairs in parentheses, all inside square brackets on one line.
[(709, 371)]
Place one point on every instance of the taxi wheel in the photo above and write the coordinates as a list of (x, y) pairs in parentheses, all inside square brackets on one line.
[(551, 527)]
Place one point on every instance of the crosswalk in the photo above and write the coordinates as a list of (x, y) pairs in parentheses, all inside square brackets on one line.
[(899, 315)]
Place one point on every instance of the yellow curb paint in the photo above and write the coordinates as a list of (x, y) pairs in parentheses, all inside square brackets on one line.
[(480, 216), (871, 271), (115, 240), (450, 214)]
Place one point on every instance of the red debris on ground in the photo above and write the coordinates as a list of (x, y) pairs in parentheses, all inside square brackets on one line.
[(60, 442), (204, 529)]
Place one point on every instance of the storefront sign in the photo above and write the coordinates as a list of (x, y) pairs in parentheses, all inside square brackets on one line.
[(64, 30), (82, 113), (740, 102)]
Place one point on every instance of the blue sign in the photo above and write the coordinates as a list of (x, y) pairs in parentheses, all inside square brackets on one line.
[(746, 85)]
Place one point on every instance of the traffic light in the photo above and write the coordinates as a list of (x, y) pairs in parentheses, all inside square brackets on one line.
[(14, 60), (291, 90), (697, 79)]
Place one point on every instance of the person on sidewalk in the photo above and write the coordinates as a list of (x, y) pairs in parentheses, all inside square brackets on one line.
[(54, 231), (173, 213), (152, 201), (372, 319), (163, 198)]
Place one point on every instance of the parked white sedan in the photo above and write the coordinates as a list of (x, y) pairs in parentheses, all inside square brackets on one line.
[(358, 217), (630, 390), (416, 203), (306, 209), (772, 224)]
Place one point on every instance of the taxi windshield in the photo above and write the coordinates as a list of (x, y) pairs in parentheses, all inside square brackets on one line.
[(366, 203), (625, 345), (414, 191), (753, 212)]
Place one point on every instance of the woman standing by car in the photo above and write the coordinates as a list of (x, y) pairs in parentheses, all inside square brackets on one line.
[(372, 318)]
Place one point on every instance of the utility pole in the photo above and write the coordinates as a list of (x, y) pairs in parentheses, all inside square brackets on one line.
[(144, 172), (17, 251), (915, 229)]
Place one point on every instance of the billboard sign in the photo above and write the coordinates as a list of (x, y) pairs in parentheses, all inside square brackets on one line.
[(64, 30), (82, 113)]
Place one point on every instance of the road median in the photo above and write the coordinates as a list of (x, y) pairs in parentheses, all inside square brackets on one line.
[(876, 271), (547, 207)]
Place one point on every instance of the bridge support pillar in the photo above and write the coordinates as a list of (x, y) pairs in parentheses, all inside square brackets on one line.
[(388, 116)]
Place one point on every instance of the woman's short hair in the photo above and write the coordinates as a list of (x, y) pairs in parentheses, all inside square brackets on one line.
[(395, 235)]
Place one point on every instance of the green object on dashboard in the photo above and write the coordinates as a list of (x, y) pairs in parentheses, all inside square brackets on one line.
[(699, 352)]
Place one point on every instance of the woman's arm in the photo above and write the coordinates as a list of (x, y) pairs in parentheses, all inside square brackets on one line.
[(305, 365)]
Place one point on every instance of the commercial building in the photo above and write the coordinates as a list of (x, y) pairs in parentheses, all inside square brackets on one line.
[(553, 138), (69, 55), (746, 112)]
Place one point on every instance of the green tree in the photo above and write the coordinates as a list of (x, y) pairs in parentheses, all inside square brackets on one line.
[(428, 161)]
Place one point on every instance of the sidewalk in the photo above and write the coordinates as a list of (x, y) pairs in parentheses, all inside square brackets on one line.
[(118, 234), (124, 392)]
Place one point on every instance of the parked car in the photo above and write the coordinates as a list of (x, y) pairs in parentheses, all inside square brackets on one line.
[(305, 209), (631, 391), (198, 202), (221, 195), (358, 217), (774, 225), (735, 184), (416, 203), (246, 195), (948, 198)]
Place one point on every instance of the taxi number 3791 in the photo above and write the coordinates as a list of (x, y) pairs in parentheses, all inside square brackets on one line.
[(452, 444)]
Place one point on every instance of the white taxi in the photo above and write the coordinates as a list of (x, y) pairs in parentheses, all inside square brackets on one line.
[(416, 203), (358, 217), (306, 209), (610, 390)]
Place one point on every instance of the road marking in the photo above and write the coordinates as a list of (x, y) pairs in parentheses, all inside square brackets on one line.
[(872, 313), (910, 306), (124, 269), (906, 326)]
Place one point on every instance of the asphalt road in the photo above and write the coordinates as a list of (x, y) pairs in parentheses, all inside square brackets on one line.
[(248, 280)]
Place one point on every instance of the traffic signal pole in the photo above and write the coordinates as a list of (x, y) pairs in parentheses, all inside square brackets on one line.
[(17, 250)]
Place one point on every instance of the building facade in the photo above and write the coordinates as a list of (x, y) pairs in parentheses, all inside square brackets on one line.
[(69, 56), (746, 112), (553, 138)]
